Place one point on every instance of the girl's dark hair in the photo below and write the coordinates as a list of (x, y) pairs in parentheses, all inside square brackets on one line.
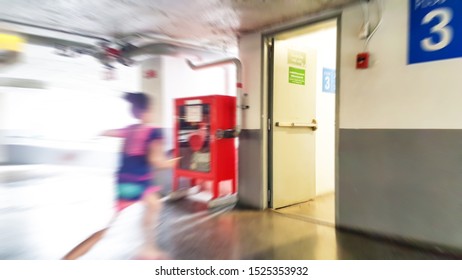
[(140, 102)]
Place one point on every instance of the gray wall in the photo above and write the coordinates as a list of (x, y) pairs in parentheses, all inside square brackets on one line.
[(402, 182), (250, 169)]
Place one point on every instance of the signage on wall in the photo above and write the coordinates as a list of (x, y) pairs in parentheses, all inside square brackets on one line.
[(435, 30), (150, 74), (328, 80), (296, 58), (297, 76)]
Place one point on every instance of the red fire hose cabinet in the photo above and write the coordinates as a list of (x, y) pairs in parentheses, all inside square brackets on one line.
[(205, 140)]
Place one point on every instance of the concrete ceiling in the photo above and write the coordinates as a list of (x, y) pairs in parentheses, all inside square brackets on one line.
[(211, 23)]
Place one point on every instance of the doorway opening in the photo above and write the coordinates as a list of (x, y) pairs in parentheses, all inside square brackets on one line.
[(302, 118)]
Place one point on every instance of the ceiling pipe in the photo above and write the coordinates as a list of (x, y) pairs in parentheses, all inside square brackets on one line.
[(238, 64), (184, 43), (171, 49), (163, 46), (55, 30), (154, 49)]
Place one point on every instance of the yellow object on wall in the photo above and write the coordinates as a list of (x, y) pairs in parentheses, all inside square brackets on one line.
[(10, 42)]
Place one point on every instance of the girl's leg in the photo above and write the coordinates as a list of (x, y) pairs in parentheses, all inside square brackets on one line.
[(85, 246), (153, 206)]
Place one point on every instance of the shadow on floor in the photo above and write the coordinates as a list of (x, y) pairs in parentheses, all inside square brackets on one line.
[(319, 210)]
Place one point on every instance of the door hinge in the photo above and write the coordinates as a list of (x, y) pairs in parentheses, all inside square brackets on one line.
[(269, 124), (269, 195)]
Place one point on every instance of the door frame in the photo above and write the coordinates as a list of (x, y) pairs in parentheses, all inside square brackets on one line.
[(267, 104)]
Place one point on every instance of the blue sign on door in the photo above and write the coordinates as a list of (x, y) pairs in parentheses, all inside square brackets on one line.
[(328, 80), (435, 30)]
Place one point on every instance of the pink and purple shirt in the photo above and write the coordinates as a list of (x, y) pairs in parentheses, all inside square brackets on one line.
[(134, 160)]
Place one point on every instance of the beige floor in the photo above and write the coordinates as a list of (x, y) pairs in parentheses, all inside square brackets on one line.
[(320, 210)]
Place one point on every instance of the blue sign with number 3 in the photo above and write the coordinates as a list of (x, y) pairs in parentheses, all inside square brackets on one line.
[(435, 30), (328, 80)]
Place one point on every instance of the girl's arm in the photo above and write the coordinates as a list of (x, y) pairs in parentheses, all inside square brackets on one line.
[(114, 133), (157, 156)]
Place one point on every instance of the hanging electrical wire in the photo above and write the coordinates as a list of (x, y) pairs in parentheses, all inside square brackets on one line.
[(380, 10), (364, 32)]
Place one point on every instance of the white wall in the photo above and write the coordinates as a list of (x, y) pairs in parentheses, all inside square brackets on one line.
[(175, 79), (82, 73), (392, 94), (76, 103), (182, 81), (251, 58), (154, 86), (71, 84), (325, 113)]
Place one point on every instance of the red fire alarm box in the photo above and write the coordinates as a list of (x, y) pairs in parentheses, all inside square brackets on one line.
[(205, 140), (362, 60)]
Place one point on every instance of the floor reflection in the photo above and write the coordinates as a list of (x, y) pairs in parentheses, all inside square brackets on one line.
[(46, 211)]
